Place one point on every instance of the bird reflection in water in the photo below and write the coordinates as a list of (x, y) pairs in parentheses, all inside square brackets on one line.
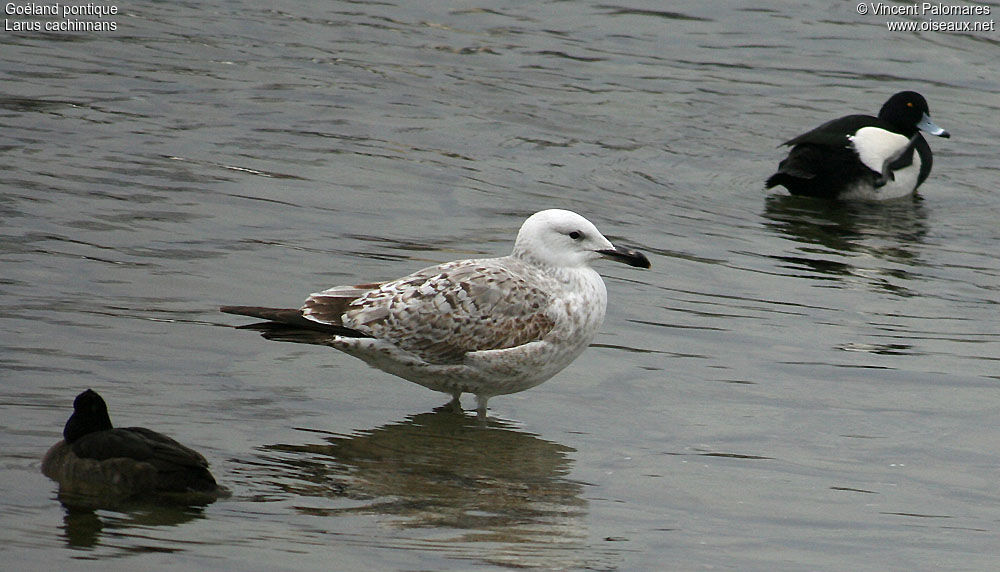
[(488, 482), (87, 523), (843, 240)]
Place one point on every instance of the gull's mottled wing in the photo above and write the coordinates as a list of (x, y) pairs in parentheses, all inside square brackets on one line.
[(443, 312)]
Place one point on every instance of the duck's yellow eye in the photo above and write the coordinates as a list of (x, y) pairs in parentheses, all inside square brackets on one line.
[(909, 104)]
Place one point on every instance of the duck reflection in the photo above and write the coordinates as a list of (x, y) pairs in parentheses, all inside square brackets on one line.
[(887, 232), (87, 520), (487, 480)]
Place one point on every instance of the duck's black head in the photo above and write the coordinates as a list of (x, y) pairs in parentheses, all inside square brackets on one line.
[(90, 414), (907, 111)]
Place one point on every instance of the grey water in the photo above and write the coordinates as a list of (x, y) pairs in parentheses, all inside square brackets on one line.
[(794, 385)]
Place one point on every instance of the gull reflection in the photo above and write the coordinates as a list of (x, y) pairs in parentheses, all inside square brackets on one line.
[(483, 482)]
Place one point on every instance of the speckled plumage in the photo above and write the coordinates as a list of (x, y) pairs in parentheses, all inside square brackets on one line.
[(444, 312), (487, 326)]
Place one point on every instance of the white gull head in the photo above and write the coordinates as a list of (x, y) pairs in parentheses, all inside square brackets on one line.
[(563, 239)]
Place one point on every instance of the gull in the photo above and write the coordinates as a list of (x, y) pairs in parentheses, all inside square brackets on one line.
[(486, 326)]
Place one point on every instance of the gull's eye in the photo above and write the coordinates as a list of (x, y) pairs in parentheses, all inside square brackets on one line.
[(576, 235)]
